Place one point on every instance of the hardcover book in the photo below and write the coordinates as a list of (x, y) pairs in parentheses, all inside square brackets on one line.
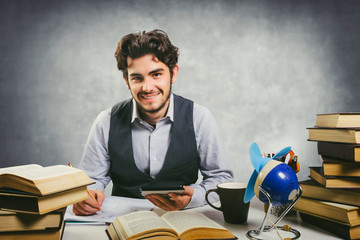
[(311, 189), (18, 222), (43, 181), (317, 174), (341, 151), (338, 168), (27, 203), (48, 234), (345, 214), (335, 120), (342, 230), (341, 135)]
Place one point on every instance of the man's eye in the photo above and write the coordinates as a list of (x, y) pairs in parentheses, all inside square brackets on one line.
[(136, 79), (156, 75)]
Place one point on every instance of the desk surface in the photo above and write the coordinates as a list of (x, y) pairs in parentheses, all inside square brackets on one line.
[(256, 215)]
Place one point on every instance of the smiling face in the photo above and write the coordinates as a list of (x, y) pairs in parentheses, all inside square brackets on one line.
[(149, 81)]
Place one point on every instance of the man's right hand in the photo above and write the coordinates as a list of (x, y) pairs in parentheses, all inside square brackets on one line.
[(89, 206)]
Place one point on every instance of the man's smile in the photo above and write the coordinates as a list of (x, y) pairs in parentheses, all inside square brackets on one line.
[(150, 96)]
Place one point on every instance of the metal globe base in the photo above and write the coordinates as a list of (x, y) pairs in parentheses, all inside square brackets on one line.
[(253, 234)]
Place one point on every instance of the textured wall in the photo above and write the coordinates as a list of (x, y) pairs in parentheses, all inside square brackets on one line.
[(263, 68)]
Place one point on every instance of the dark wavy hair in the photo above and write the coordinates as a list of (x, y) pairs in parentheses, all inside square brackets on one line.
[(138, 44)]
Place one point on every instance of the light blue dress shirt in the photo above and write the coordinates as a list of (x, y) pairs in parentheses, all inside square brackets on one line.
[(150, 145)]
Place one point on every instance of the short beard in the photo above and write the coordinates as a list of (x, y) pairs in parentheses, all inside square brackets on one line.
[(160, 107)]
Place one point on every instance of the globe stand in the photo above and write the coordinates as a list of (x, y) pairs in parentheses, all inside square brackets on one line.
[(251, 234)]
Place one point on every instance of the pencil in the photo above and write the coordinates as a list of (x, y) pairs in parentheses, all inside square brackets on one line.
[(92, 197)]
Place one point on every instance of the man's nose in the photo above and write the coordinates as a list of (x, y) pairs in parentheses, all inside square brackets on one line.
[(148, 85)]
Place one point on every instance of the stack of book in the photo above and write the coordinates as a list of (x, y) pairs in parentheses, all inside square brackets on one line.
[(33, 199), (331, 198)]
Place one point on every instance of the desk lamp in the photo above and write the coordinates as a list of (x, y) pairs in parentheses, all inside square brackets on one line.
[(274, 183)]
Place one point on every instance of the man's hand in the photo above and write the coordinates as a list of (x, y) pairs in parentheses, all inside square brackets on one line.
[(90, 206), (175, 202)]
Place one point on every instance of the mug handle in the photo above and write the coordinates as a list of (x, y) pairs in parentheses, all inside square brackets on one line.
[(206, 198)]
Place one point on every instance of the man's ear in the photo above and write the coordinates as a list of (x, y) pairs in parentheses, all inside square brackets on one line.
[(126, 82), (175, 72)]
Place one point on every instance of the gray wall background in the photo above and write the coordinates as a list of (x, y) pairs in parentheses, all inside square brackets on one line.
[(263, 68)]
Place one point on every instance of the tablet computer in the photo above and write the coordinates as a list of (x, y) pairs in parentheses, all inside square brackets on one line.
[(162, 190)]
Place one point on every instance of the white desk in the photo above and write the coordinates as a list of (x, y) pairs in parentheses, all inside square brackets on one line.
[(256, 215)]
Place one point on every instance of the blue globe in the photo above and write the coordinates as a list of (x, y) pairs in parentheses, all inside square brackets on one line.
[(279, 181)]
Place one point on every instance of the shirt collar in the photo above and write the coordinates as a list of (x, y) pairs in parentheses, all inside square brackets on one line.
[(169, 113)]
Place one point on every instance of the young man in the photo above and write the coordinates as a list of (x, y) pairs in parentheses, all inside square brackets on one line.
[(156, 138)]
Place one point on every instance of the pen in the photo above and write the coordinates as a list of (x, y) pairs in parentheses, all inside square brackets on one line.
[(93, 198)]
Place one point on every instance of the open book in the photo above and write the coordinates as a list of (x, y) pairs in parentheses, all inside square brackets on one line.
[(171, 225), (38, 180)]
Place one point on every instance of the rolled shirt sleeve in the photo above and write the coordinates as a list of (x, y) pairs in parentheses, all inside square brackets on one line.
[(95, 160)]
